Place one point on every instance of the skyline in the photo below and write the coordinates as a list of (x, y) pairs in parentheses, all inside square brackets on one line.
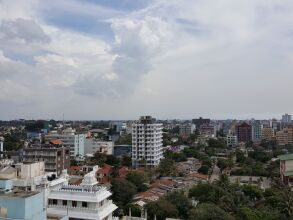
[(170, 59)]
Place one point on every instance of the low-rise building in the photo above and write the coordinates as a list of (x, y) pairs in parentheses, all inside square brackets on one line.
[(286, 169), (87, 201), (284, 137), (231, 140), (55, 156), (93, 145), (18, 204)]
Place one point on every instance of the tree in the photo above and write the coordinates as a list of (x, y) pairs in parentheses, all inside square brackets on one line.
[(162, 209), (112, 160), (246, 213), (125, 139), (123, 191), (216, 143), (181, 202), (253, 192), (224, 163), (203, 169), (126, 161), (207, 211), (99, 158), (167, 167), (139, 179)]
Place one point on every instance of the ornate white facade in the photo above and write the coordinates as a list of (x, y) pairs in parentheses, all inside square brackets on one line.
[(87, 201)]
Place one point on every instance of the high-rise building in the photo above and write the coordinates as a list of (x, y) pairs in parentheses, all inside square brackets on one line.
[(286, 119), (147, 142), (256, 131), (186, 129), (200, 121), (244, 132)]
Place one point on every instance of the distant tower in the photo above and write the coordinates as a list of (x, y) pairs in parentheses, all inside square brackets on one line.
[(1, 146), (147, 142)]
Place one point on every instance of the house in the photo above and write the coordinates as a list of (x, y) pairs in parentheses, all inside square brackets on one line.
[(123, 171), (103, 173), (286, 169)]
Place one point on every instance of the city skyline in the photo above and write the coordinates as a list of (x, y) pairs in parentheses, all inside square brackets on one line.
[(170, 59)]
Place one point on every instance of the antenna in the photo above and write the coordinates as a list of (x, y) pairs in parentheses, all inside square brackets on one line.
[(63, 119)]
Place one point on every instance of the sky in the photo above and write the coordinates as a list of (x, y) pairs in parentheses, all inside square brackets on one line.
[(119, 59)]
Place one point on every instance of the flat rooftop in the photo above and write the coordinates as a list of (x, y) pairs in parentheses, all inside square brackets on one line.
[(18, 194)]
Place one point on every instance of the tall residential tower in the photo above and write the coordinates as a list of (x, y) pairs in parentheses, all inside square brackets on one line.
[(147, 142)]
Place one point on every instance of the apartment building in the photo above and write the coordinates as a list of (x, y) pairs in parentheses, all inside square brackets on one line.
[(267, 134), (284, 137), (147, 142), (70, 139), (244, 132), (54, 154), (256, 130)]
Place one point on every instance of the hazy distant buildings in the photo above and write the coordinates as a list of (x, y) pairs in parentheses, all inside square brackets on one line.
[(200, 121), (267, 134), (286, 119), (256, 129), (244, 132), (186, 129), (93, 145), (147, 142)]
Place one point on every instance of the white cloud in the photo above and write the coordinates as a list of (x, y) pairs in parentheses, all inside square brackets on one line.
[(174, 58)]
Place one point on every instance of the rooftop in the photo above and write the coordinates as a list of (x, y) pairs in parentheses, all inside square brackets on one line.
[(286, 157), (18, 194)]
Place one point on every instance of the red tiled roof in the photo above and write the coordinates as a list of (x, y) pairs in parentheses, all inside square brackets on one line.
[(105, 169), (56, 142), (199, 176), (123, 171)]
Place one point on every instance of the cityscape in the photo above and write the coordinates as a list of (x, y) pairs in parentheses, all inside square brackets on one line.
[(146, 110), (147, 169)]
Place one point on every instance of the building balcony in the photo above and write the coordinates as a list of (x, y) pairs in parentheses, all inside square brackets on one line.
[(83, 213)]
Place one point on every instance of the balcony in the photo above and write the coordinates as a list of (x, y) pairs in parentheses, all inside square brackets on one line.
[(83, 213)]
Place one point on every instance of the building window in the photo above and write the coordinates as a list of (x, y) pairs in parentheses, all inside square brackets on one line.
[(84, 204), (54, 201), (64, 202), (74, 203)]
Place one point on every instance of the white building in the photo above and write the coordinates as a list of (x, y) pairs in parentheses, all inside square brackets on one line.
[(147, 142), (256, 131), (92, 145), (70, 139), (186, 129), (1, 146), (87, 201), (231, 140)]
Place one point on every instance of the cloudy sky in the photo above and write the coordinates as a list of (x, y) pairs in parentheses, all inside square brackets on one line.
[(118, 59)]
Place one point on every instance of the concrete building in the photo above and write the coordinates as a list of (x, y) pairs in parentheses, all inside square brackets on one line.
[(267, 134), (284, 137), (55, 156), (286, 169), (70, 139), (200, 121), (93, 145), (186, 129), (256, 129), (19, 204), (244, 132), (286, 119), (86, 201), (1, 147), (231, 140), (147, 142)]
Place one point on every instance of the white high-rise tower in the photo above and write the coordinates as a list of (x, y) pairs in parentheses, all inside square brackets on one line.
[(147, 142), (1, 146)]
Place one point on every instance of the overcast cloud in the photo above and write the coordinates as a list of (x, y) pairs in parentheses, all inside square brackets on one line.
[(168, 58)]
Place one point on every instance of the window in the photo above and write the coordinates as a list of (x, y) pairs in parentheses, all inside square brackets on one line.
[(54, 201), (84, 204), (74, 203), (64, 202)]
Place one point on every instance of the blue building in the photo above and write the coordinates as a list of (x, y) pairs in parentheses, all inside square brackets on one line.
[(19, 204)]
